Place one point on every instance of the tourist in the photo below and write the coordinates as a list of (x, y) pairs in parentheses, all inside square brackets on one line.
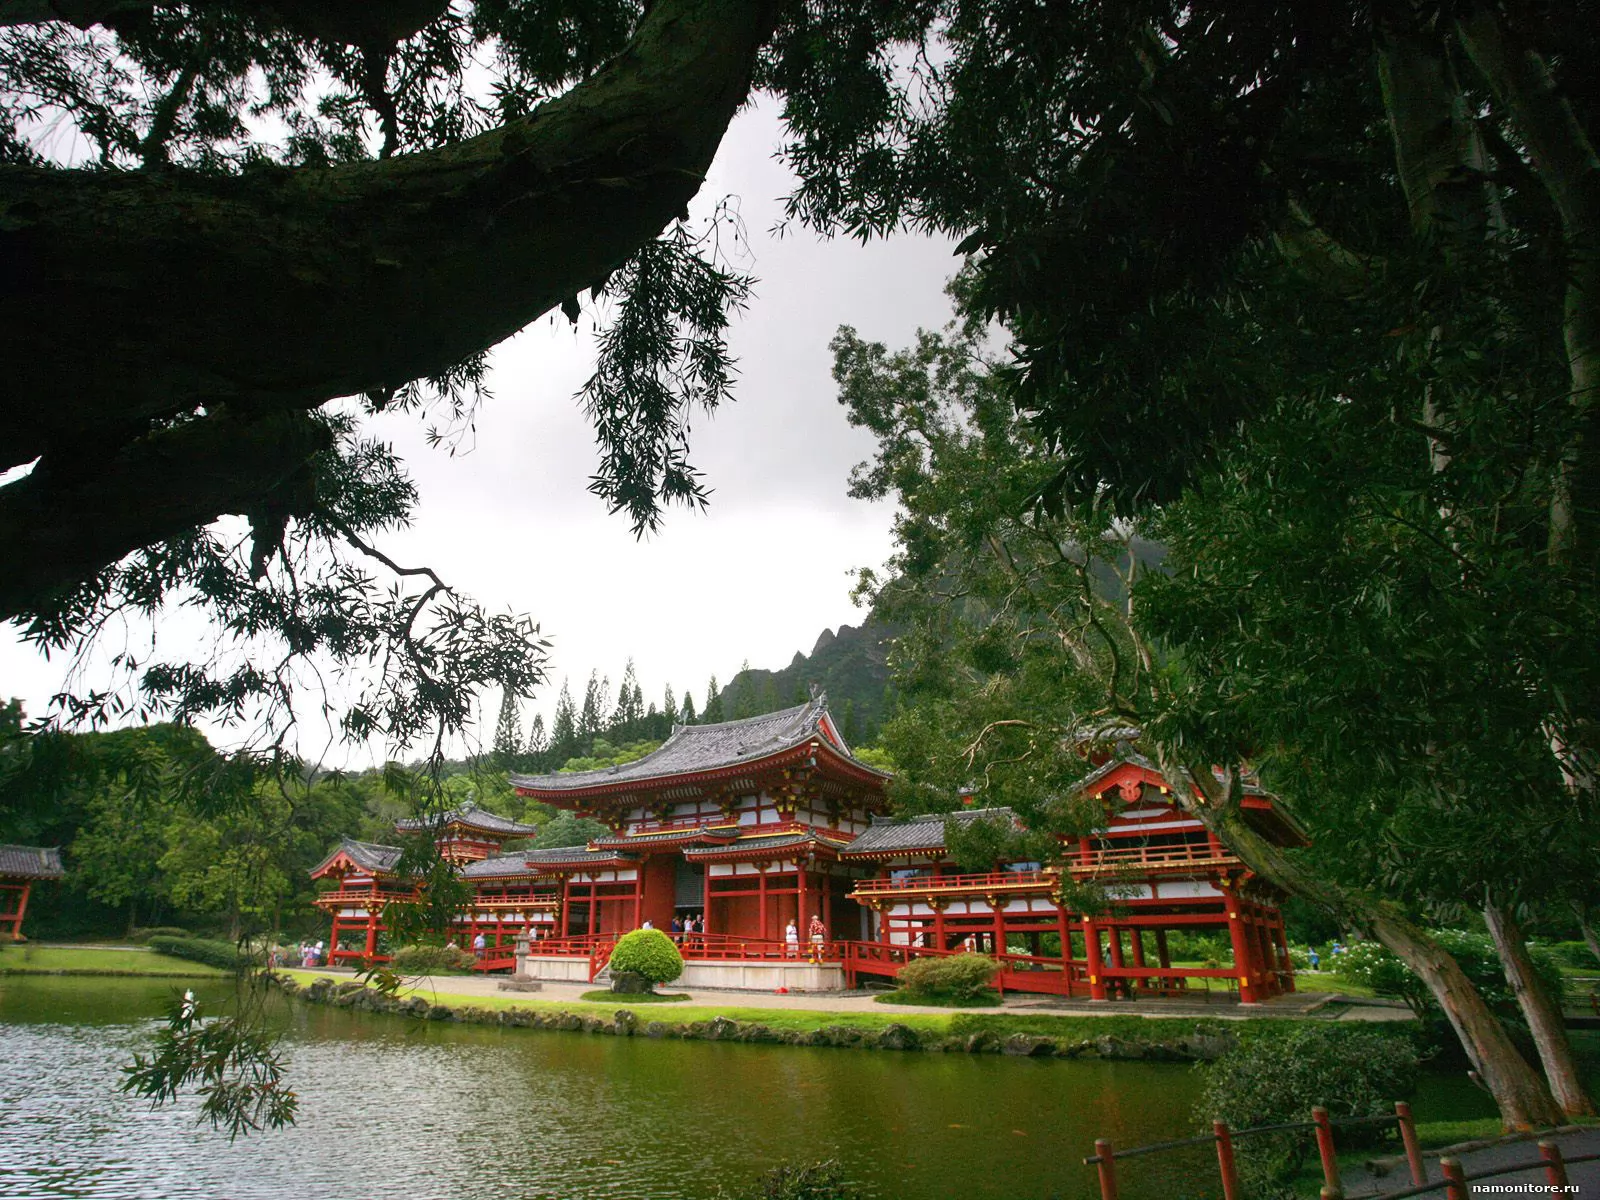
[(316, 956), (791, 939), (818, 933), (648, 924), (1316, 959), (677, 930), (479, 945)]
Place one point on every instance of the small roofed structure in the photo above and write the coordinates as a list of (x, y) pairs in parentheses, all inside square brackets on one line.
[(468, 833), (20, 868), (507, 898)]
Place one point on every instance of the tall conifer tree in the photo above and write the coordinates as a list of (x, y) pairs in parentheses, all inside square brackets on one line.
[(713, 709), (508, 729)]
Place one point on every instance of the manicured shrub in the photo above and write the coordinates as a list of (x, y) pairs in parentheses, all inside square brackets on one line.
[(1274, 1080), (142, 936), (957, 976), (427, 960), (202, 950), (647, 952)]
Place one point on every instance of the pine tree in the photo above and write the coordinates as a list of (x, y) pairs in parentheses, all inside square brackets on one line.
[(744, 693), (669, 707), (592, 712), (508, 729), (630, 709), (686, 714), (713, 709), (767, 698), (538, 740), (564, 729)]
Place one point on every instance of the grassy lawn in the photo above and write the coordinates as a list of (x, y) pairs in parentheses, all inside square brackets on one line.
[(1325, 981), (1067, 1028), (32, 959)]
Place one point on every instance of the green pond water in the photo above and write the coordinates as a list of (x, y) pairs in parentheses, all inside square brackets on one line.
[(413, 1110)]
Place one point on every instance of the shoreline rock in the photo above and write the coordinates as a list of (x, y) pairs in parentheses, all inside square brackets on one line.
[(1199, 1046)]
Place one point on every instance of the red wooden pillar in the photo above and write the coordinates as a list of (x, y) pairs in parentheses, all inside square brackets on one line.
[(638, 893), (1284, 960), (1244, 964), (22, 910), (372, 935), (761, 899), (1091, 950), (997, 905), (938, 905), (566, 906), (705, 903), (827, 905), (802, 916), (1137, 936)]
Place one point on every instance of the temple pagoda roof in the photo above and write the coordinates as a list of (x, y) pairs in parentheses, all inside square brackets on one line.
[(581, 858), (502, 866), (767, 845), (888, 836), (705, 749), (369, 856), (31, 862), (469, 816)]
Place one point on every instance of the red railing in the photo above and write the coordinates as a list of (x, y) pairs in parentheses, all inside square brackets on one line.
[(1151, 856), (728, 947), (926, 882)]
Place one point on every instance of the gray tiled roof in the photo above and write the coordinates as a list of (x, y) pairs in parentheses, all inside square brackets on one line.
[(694, 748), (926, 832), (621, 841), (471, 816), (780, 841), (567, 854), (369, 856), (503, 866), (31, 862)]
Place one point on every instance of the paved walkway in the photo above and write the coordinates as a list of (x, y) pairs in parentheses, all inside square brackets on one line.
[(1584, 1177), (1297, 1005)]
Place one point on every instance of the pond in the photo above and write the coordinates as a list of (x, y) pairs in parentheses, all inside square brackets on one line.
[(397, 1108)]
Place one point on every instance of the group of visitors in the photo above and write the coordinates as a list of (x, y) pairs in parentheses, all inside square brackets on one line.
[(686, 926), (311, 955), (816, 934)]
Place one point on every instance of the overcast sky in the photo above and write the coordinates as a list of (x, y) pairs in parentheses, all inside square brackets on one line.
[(760, 574)]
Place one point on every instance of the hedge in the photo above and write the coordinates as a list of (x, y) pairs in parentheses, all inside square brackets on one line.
[(422, 960), (958, 976), (201, 950)]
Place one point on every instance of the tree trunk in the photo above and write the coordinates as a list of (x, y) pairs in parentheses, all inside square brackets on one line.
[(133, 915), (1540, 1010), (1521, 1095), (1580, 912)]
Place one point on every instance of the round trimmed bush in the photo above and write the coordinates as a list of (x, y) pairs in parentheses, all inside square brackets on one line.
[(956, 976), (647, 952)]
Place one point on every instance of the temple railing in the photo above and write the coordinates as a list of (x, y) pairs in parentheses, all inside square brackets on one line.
[(990, 881), (1136, 858), (728, 947), (679, 825)]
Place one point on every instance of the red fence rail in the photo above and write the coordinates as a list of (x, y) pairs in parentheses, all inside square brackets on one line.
[(925, 881)]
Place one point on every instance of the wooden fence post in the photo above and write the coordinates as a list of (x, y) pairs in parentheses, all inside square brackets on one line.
[(1108, 1169), (1230, 1173), (1333, 1190), (1555, 1167), (1457, 1178), (1408, 1139)]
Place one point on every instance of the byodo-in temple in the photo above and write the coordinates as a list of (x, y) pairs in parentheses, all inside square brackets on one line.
[(737, 829), (20, 868)]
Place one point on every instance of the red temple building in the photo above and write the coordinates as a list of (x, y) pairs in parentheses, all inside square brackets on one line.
[(750, 825), (20, 868)]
